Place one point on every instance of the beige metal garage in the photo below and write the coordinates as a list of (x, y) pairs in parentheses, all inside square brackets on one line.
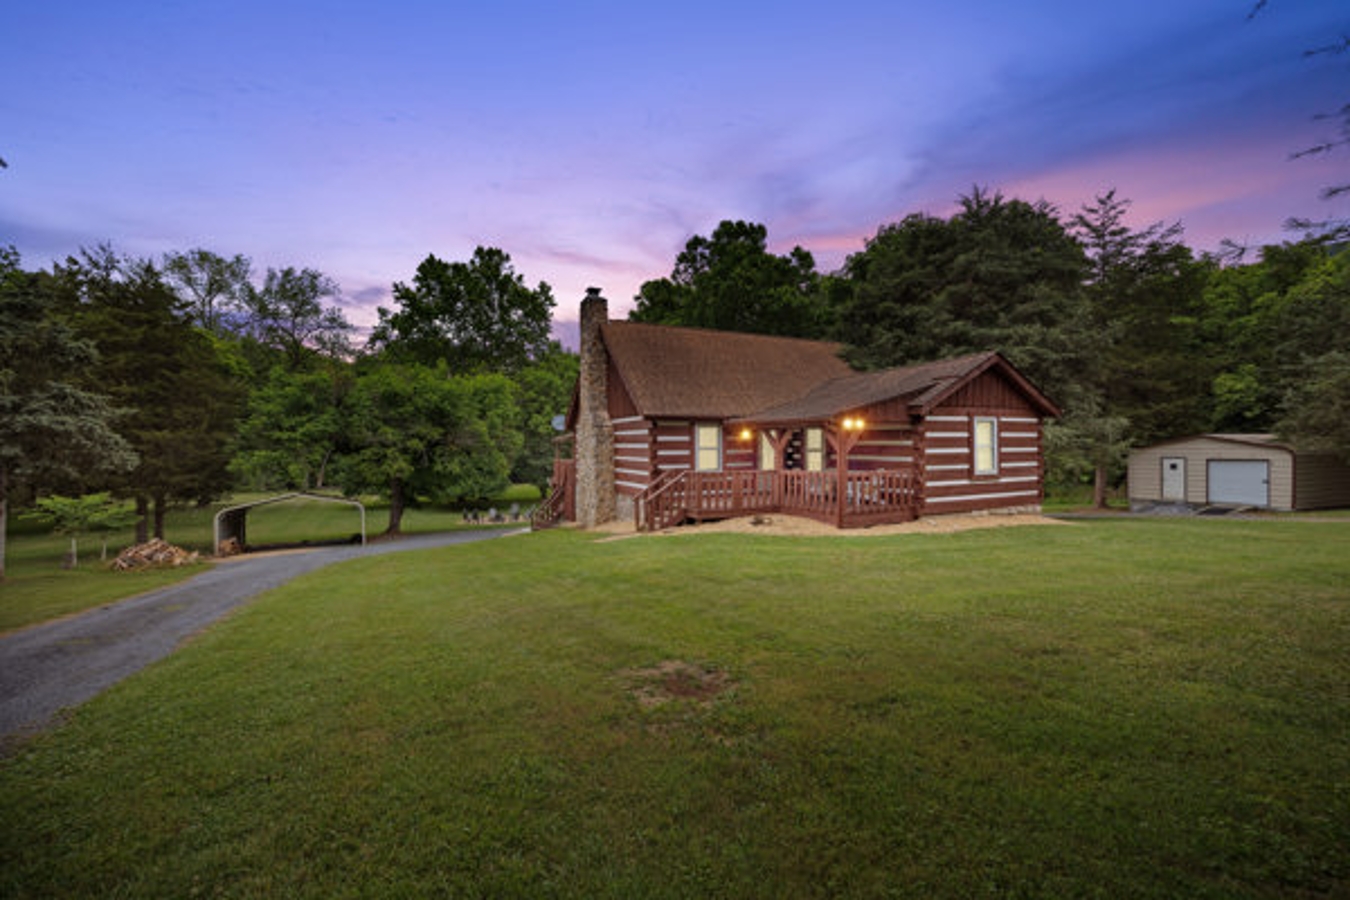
[(1241, 470)]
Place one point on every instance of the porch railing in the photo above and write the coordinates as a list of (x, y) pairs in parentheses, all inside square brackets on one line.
[(662, 503), (861, 498), (561, 500)]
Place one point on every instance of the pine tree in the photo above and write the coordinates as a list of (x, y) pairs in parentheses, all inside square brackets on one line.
[(154, 362), (51, 430)]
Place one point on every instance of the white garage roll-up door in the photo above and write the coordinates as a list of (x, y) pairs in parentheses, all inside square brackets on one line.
[(1239, 482)]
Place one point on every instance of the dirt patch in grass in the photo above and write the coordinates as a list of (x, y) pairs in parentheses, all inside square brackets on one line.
[(675, 679)]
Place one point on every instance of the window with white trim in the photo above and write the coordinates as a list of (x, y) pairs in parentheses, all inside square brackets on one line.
[(814, 449), (986, 445), (708, 446), (768, 459)]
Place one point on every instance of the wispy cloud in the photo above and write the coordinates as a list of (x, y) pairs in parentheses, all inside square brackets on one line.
[(595, 142)]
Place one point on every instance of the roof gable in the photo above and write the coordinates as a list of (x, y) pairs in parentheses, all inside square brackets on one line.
[(922, 387), (966, 368)]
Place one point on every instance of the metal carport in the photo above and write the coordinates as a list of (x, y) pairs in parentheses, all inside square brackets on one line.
[(231, 521)]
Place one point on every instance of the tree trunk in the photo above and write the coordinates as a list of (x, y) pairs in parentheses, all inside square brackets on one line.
[(4, 516), (159, 516), (142, 519), (1099, 488), (395, 507), (323, 469)]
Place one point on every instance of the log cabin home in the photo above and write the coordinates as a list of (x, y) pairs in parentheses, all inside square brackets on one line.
[(670, 424)]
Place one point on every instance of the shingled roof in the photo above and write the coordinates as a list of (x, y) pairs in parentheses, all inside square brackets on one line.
[(675, 372), (696, 372), (922, 386)]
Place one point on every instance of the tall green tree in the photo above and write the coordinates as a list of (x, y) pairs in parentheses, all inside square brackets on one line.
[(1311, 334), (476, 316), (214, 288), (484, 449), (544, 390), (415, 432), (1312, 318), (53, 431), (1144, 288), (998, 275), (288, 314), (153, 362), (1317, 406), (292, 428), (730, 281), (1240, 333)]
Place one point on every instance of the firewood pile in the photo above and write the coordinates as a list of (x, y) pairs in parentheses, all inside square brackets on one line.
[(155, 553)]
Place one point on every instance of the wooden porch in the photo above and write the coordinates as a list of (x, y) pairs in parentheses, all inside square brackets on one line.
[(845, 500)]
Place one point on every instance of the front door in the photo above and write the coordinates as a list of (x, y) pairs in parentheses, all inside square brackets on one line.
[(1174, 478)]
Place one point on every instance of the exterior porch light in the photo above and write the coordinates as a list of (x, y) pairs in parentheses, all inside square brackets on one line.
[(746, 434), (851, 423)]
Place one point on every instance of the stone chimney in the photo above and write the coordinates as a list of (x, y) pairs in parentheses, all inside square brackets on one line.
[(595, 432)]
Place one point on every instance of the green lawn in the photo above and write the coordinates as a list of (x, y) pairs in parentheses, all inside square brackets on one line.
[(1116, 708), (36, 588)]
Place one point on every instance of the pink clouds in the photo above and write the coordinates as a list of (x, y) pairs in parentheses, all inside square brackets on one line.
[(591, 143), (1239, 191)]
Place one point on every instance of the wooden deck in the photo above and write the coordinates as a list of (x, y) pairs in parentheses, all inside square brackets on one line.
[(855, 500)]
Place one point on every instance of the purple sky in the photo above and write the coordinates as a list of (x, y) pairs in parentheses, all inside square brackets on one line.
[(590, 140)]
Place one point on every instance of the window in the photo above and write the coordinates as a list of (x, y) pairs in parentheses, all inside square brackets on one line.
[(767, 457), (707, 447), (986, 446), (815, 450)]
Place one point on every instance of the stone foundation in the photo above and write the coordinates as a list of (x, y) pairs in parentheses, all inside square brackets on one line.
[(624, 508), (1025, 509)]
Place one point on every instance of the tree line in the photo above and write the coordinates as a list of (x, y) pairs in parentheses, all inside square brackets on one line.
[(177, 380), (1135, 335)]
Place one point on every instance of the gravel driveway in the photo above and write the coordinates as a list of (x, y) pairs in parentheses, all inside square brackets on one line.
[(49, 667)]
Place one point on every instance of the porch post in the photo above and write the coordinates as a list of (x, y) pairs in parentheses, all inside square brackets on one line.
[(844, 440), (920, 468), (841, 464), (779, 438), (737, 487)]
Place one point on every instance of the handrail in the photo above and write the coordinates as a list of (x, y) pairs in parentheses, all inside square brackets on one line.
[(664, 481), (549, 511), (555, 506), (855, 499), (654, 508)]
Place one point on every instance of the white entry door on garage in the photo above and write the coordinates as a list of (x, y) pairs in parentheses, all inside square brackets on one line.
[(1174, 478), (1239, 482)]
